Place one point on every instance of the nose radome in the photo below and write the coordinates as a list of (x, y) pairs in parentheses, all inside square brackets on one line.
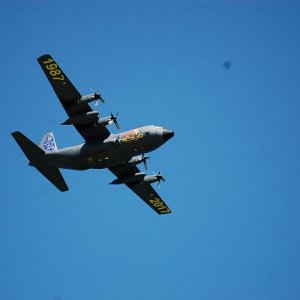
[(167, 134)]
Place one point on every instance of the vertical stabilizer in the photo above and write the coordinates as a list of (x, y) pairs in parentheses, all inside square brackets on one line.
[(48, 143)]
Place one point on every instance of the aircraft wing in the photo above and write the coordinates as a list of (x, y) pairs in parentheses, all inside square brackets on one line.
[(144, 190), (69, 98)]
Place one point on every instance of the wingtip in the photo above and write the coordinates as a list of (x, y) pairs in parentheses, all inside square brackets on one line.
[(14, 133), (43, 56)]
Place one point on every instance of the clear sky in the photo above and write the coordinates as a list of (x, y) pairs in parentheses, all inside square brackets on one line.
[(232, 168)]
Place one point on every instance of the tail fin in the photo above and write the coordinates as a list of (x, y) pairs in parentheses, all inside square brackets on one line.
[(36, 157), (48, 143)]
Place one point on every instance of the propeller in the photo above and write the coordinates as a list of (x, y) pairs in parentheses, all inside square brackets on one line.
[(113, 119), (97, 97), (144, 160), (159, 178)]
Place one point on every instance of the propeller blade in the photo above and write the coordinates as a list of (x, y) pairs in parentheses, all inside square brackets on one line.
[(159, 178), (97, 96), (144, 160), (145, 165), (114, 119)]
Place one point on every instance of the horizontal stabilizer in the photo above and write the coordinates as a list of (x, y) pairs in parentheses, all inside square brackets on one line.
[(54, 176), (36, 157), (32, 151)]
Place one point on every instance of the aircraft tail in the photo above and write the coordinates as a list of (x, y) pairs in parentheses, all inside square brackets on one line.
[(48, 143), (36, 157)]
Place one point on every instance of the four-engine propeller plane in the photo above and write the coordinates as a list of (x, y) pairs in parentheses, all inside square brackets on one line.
[(120, 153)]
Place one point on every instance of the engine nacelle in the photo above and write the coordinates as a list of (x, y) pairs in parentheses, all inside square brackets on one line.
[(136, 160), (131, 179), (112, 119), (153, 178), (105, 121), (89, 98), (139, 159), (150, 178)]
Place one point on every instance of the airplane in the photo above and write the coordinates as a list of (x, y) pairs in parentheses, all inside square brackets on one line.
[(119, 152)]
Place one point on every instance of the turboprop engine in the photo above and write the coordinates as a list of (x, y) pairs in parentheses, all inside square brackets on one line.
[(95, 96), (140, 159), (140, 177)]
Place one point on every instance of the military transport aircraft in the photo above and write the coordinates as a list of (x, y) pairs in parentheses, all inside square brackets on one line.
[(120, 153)]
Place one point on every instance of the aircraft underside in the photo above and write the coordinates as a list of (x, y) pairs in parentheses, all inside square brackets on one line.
[(120, 152), (95, 157)]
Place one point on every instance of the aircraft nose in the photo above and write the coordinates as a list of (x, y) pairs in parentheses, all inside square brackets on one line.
[(167, 134)]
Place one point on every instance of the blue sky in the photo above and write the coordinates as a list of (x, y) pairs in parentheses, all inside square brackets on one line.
[(232, 168)]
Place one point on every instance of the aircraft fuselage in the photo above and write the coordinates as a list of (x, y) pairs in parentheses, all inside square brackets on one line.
[(117, 149)]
